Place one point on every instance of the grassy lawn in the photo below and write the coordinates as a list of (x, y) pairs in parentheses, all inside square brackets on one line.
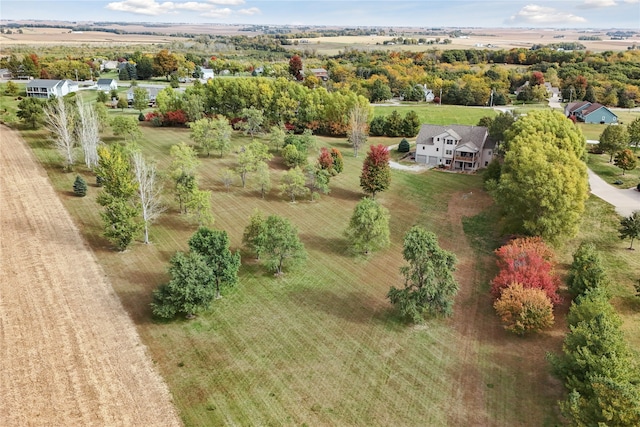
[(321, 345), (594, 130), (599, 163), (440, 114)]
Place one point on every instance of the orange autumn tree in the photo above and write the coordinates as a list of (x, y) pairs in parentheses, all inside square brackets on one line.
[(528, 261)]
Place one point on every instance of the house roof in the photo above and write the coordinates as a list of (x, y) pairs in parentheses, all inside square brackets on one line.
[(49, 84), (468, 147), (105, 81), (594, 107), (474, 134), (575, 106)]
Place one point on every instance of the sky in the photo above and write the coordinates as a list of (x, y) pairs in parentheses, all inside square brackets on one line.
[(379, 13)]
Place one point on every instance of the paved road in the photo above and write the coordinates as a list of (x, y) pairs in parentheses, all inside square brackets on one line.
[(624, 200)]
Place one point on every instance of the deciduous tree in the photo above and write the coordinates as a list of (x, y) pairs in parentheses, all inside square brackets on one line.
[(60, 119), (293, 184), (140, 98), (429, 285), (543, 182), (524, 310), (376, 172), (249, 159), (630, 227), (281, 247), (127, 127), (190, 289), (88, 132), (613, 140), (626, 160), (317, 181), (263, 178), (149, 192), (252, 120), (634, 133), (368, 228), (213, 245), (358, 130), (254, 234)]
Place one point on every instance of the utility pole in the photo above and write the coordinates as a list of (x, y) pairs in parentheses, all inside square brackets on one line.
[(440, 99), (76, 75), (491, 101)]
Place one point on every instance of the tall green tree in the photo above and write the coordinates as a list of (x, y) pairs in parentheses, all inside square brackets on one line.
[(190, 289), (634, 133), (587, 270), (376, 172), (368, 228), (293, 184), (31, 111), (116, 173), (626, 160), (182, 171), (630, 227), (250, 157), (213, 245), (263, 179), (317, 180), (543, 181), (140, 99), (254, 234), (613, 140), (252, 121), (127, 127), (429, 285), (120, 219), (281, 246)]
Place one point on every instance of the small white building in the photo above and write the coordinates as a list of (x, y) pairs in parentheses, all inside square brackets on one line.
[(207, 73), (107, 85), (41, 88), (454, 147)]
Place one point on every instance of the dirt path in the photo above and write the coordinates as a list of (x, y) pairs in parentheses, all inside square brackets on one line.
[(69, 353)]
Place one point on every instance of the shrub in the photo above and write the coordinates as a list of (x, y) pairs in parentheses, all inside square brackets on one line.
[(523, 309), (527, 261), (141, 117), (80, 187), (99, 181), (404, 146)]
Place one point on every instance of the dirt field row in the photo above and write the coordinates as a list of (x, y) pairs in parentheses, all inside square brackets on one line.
[(70, 355)]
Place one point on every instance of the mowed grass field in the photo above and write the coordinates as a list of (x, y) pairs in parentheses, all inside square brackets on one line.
[(439, 114), (322, 345)]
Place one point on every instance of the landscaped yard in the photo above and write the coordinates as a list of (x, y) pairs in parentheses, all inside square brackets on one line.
[(321, 345), (439, 114), (599, 163)]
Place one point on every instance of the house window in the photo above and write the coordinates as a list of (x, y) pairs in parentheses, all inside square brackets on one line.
[(448, 162), (448, 152), (437, 139), (423, 147), (486, 164), (437, 149), (489, 152), (449, 141)]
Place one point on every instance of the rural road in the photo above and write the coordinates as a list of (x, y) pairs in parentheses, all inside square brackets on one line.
[(624, 200)]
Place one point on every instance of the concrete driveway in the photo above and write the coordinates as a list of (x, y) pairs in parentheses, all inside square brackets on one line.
[(624, 200)]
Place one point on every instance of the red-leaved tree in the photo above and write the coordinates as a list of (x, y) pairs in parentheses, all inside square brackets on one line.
[(295, 67), (527, 261), (537, 78), (376, 172), (325, 161)]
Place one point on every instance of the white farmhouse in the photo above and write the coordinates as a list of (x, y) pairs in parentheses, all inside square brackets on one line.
[(41, 88), (454, 147)]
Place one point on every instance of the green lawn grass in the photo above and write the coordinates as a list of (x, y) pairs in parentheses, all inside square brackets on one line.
[(440, 114), (599, 163), (321, 345)]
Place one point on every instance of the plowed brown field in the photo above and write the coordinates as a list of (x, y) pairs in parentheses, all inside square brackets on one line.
[(69, 353)]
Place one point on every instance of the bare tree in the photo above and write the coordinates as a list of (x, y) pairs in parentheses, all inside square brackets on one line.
[(358, 131), (149, 191), (59, 119), (88, 133)]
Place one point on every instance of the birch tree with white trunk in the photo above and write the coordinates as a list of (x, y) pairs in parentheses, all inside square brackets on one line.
[(59, 120), (358, 130), (149, 192), (88, 133)]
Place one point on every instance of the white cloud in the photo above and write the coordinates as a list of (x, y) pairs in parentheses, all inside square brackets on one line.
[(226, 2), (631, 1), (594, 4), (142, 7), (541, 15), (250, 11), (207, 9)]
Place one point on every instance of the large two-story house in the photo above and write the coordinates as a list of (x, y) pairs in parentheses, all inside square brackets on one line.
[(40, 88), (454, 147)]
